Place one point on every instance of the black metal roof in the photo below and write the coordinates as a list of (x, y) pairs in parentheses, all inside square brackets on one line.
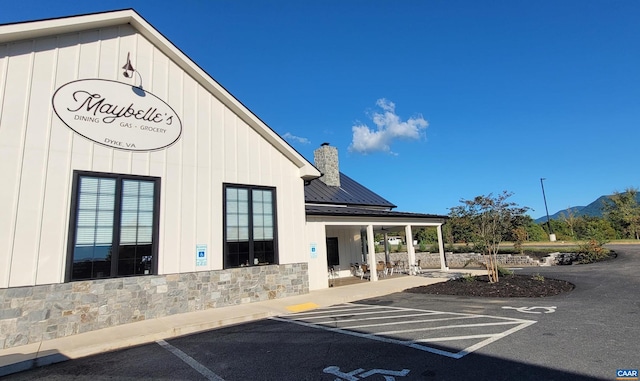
[(350, 192), (323, 210)]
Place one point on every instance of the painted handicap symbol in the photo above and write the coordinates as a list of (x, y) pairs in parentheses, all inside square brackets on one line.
[(530, 310), (389, 375)]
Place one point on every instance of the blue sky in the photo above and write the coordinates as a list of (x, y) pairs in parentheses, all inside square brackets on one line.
[(428, 102)]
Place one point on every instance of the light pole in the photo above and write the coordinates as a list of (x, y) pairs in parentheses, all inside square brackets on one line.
[(552, 237)]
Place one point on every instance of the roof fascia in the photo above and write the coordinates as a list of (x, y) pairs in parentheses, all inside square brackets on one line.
[(36, 29), (362, 221)]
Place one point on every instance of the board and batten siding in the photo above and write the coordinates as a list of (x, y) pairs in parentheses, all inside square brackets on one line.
[(349, 244), (39, 154)]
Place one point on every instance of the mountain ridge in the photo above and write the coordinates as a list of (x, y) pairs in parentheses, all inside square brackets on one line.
[(594, 209)]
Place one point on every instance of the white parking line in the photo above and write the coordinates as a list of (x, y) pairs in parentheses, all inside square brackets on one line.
[(368, 318), (414, 322), (203, 370), (395, 323), (323, 314)]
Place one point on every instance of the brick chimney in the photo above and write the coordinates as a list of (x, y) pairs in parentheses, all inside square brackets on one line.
[(326, 160)]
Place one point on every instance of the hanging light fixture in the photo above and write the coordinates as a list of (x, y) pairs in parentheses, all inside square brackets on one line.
[(129, 70)]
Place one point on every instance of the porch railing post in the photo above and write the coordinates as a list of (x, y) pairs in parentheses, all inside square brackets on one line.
[(443, 261), (371, 248), (410, 250)]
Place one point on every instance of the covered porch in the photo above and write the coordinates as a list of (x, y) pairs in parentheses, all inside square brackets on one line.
[(345, 241), (338, 281)]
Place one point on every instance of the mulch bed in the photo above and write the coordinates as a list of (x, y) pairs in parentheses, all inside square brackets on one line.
[(515, 286)]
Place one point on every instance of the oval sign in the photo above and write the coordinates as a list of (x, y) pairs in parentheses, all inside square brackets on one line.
[(117, 115)]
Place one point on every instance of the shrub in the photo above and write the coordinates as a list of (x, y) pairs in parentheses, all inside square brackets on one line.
[(592, 251), (422, 246), (468, 278), (538, 277), (502, 271)]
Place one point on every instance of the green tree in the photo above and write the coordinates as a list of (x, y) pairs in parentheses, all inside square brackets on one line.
[(560, 228), (491, 219), (459, 228), (623, 211), (536, 232), (569, 218), (428, 235), (520, 235), (594, 228), (532, 231)]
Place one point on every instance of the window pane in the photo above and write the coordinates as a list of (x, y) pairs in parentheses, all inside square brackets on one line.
[(145, 218), (232, 220), (232, 194), (258, 233), (129, 202), (243, 220), (243, 233), (136, 225), (94, 232), (232, 233), (269, 252), (130, 188), (128, 235), (107, 186), (88, 201), (129, 218), (145, 204), (105, 218), (91, 185), (257, 196), (104, 235), (86, 217), (145, 235), (106, 202)]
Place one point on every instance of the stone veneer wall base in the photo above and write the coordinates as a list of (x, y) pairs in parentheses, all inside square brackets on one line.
[(458, 260), (36, 313)]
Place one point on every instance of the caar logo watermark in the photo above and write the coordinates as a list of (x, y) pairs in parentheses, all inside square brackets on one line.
[(627, 374)]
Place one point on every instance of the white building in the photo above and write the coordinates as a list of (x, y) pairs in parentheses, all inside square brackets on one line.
[(135, 187), (343, 217)]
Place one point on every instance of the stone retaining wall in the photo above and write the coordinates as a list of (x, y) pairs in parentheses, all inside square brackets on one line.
[(458, 260), (33, 314)]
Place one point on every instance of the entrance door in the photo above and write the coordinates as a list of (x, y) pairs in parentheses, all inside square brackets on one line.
[(333, 256)]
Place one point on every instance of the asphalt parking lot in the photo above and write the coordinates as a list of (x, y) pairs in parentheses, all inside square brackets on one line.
[(586, 334), (447, 334)]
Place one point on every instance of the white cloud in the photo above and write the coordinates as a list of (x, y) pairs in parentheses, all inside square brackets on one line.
[(291, 137), (389, 128)]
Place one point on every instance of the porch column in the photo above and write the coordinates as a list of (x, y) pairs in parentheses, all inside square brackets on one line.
[(410, 251), (443, 262), (371, 258), (386, 247)]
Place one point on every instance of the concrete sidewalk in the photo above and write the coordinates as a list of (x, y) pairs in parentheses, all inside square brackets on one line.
[(25, 357)]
